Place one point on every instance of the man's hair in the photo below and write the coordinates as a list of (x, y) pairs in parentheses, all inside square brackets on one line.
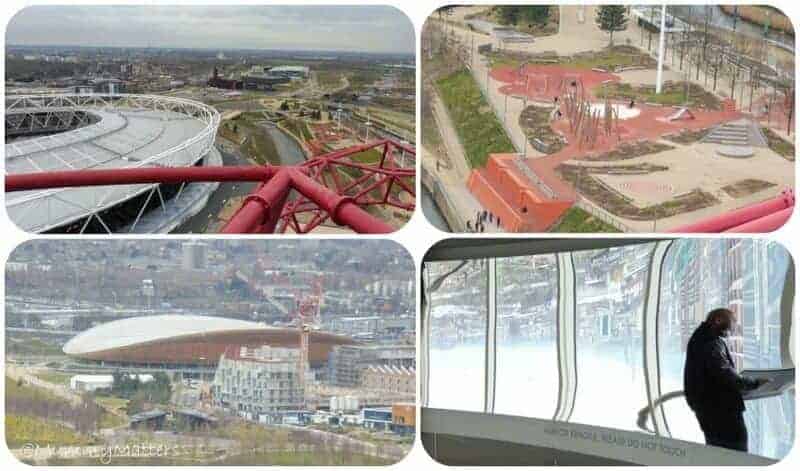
[(717, 313)]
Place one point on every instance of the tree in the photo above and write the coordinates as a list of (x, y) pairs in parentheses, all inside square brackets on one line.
[(611, 18), (538, 14), (509, 14)]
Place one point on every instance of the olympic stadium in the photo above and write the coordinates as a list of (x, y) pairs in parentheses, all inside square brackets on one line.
[(54, 133), (187, 340)]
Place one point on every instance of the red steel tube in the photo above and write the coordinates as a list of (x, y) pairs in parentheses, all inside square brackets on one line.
[(126, 176), (341, 208), (262, 209), (737, 217), (768, 223)]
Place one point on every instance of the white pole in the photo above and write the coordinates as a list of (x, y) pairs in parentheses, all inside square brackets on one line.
[(661, 47)]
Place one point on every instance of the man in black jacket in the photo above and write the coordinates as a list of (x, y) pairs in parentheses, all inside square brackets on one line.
[(713, 387)]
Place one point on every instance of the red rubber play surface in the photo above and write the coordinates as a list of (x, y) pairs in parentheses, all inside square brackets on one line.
[(545, 82), (504, 189)]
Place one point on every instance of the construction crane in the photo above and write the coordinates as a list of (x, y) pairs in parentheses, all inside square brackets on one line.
[(308, 318)]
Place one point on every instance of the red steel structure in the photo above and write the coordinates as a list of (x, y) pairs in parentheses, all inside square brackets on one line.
[(334, 186), (765, 216)]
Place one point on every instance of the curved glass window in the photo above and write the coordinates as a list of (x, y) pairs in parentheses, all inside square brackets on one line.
[(610, 294), (610, 287), (526, 371), (458, 335), (746, 276)]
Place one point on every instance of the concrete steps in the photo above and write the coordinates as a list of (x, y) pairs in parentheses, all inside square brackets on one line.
[(737, 133)]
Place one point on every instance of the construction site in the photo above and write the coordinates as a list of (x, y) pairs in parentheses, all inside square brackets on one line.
[(311, 368), (636, 120)]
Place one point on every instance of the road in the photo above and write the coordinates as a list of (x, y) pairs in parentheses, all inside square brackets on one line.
[(208, 219)]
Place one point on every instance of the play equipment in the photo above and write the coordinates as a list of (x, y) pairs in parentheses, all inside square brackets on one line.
[(588, 120), (681, 114)]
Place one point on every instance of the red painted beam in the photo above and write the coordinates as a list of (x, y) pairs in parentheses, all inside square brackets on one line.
[(768, 223), (262, 209), (738, 217), (127, 176), (342, 210)]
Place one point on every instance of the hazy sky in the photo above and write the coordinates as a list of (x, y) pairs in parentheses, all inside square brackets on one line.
[(335, 28)]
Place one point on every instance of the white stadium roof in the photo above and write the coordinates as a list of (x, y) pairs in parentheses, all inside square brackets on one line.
[(132, 131), (137, 330)]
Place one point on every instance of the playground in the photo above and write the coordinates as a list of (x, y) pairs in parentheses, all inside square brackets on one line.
[(688, 152)]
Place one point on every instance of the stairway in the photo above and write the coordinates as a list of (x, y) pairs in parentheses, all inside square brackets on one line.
[(729, 134), (742, 132)]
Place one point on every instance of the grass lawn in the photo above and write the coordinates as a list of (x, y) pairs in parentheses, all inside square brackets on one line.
[(672, 94), (608, 58), (578, 220), (403, 121), (55, 377), (299, 128), (257, 146), (32, 346), (23, 429), (370, 156), (476, 124), (778, 145), (282, 458), (111, 402)]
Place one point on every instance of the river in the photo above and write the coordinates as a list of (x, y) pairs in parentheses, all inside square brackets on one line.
[(432, 212), (722, 20), (288, 150)]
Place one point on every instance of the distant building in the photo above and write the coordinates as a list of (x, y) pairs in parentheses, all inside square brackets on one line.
[(181, 339), (217, 81), (195, 255), (400, 418), (148, 420), (377, 418), (389, 378), (258, 382), (193, 419), (404, 418), (290, 71), (346, 362), (89, 383), (261, 81), (344, 365), (387, 327), (339, 404), (149, 291), (108, 85)]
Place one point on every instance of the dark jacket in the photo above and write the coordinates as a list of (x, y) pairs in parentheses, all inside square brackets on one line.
[(710, 380)]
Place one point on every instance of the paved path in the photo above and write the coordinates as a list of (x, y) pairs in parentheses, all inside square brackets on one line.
[(454, 178)]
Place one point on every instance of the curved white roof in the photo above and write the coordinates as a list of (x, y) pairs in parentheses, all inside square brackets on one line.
[(142, 132), (136, 330)]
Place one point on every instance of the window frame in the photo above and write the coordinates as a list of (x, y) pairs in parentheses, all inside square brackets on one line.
[(566, 324)]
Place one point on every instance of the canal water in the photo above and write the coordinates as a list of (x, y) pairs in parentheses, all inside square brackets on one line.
[(288, 150), (432, 212), (723, 20)]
